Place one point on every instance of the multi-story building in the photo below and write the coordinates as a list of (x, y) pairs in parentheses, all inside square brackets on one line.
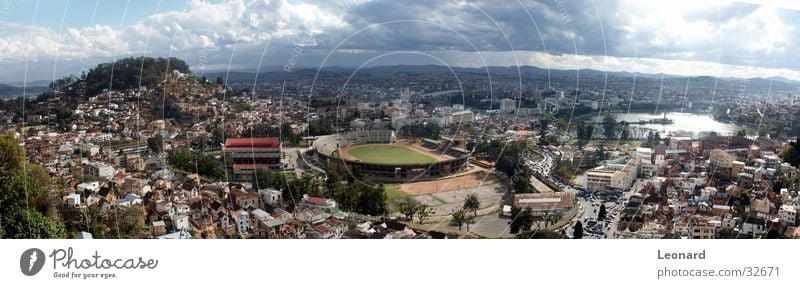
[(507, 105), (100, 170), (615, 176), (242, 220), (701, 229), (464, 116), (251, 154), (788, 215)]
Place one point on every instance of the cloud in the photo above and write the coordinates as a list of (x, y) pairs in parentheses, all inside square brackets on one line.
[(673, 36)]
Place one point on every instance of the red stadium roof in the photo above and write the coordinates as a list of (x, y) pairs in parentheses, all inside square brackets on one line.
[(263, 142)]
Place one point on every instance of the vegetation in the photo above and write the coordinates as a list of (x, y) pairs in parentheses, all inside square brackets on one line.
[(197, 162), (155, 144), (408, 207), (283, 132), (22, 187), (540, 234), (460, 218), (126, 73), (609, 127), (790, 153), (424, 211), (601, 214), (472, 204), (577, 230), (521, 219), (353, 193), (418, 130), (509, 159)]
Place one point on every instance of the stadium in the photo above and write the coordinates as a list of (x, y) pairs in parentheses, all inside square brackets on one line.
[(379, 155)]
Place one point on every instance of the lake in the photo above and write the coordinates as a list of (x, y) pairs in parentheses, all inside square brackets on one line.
[(685, 124)]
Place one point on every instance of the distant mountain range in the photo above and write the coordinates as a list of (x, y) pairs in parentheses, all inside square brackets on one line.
[(276, 73), (13, 91), (272, 73)]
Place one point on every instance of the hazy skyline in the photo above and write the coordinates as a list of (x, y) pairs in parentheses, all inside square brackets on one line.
[(53, 38)]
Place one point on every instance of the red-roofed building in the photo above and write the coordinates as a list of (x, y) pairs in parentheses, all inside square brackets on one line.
[(251, 154)]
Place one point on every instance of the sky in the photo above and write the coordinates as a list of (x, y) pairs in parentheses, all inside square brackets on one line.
[(48, 39)]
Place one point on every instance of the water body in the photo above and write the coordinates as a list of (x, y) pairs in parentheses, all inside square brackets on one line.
[(684, 124)]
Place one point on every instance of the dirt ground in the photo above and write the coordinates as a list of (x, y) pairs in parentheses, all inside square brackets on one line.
[(457, 183)]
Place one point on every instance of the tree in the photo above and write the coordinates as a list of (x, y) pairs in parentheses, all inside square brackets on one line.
[(790, 155), (625, 134), (20, 191), (609, 127), (458, 218), (409, 207), (601, 151), (423, 211), (521, 219), (126, 222), (540, 234), (601, 215), (468, 220), (577, 230), (155, 144), (544, 123), (472, 204), (11, 157), (552, 217)]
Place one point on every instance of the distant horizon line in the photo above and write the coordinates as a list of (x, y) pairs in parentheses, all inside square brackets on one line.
[(279, 68)]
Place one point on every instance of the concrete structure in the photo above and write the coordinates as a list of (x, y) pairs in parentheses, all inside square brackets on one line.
[(74, 200), (462, 117), (327, 147), (788, 215), (242, 221), (721, 158), (251, 154), (180, 222), (99, 170), (614, 176), (700, 229), (507, 105)]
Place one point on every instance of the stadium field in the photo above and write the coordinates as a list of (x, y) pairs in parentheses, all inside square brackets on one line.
[(388, 154)]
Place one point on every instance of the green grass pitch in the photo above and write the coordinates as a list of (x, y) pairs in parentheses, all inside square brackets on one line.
[(386, 154)]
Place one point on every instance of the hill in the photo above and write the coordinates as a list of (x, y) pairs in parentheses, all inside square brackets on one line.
[(127, 73), (9, 91)]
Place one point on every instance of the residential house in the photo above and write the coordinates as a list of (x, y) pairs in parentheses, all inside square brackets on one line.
[(242, 221)]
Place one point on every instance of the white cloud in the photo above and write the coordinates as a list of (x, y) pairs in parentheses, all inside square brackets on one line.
[(676, 37)]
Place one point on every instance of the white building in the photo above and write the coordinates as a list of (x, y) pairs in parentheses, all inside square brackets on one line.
[(180, 222), (462, 117), (100, 170), (507, 105), (93, 186), (74, 200), (242, 221), (270, 197), (788, 215), (615, 176), (753, 226)]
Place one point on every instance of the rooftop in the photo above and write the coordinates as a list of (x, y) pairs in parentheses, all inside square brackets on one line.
[(540, 201), (263, 142)]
